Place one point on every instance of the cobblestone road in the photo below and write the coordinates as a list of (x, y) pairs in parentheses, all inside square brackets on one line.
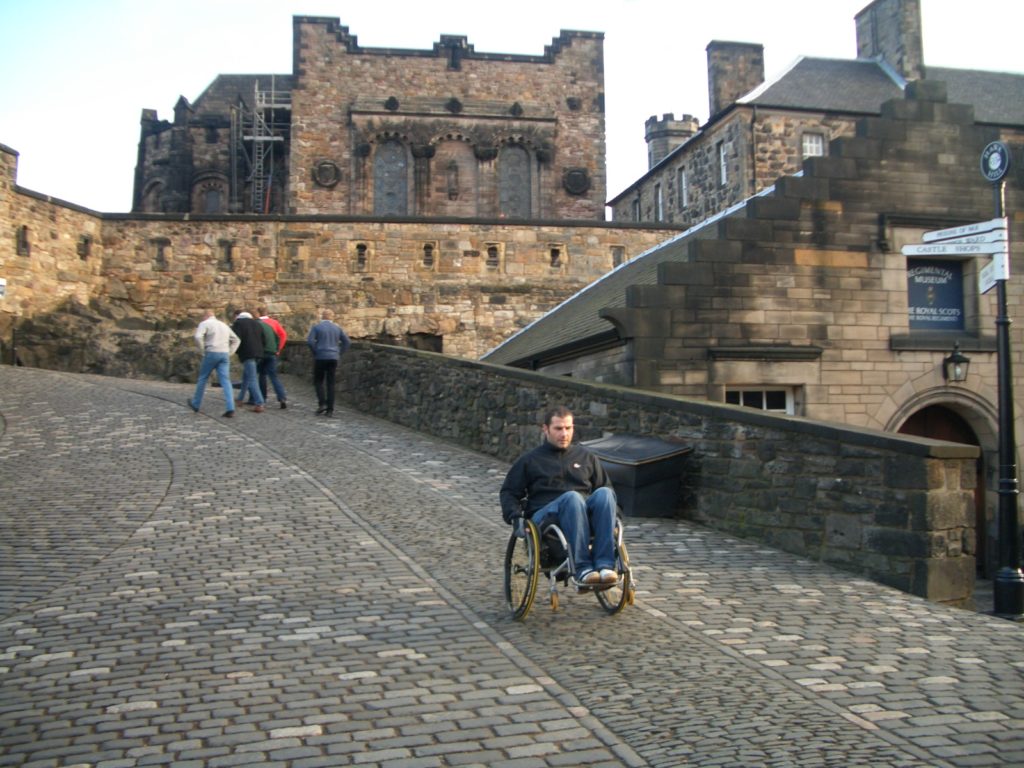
[(285, 589)]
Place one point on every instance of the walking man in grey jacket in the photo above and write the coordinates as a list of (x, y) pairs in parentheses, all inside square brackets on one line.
[(328, 342)]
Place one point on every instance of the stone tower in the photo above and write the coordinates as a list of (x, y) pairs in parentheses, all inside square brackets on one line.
[(666, 134)]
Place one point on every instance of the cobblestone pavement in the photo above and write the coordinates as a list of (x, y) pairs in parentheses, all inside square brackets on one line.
[(286, 589)]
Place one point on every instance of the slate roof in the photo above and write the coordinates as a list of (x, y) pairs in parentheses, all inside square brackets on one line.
[(576, 320), (225, 91), (829, 85), (998, 97)]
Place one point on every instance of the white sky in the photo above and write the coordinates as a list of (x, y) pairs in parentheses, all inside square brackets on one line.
[(76, 74)]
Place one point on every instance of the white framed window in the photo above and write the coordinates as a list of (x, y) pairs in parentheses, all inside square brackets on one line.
[(723, 164), (774, 399), (659, 203), (684, 189), (813, 145)]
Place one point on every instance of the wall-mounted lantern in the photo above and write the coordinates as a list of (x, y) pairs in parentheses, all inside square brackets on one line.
[(955, 366)]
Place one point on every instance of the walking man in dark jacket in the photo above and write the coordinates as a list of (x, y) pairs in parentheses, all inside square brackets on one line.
[(250, 352), (565, 482), (328, 342)]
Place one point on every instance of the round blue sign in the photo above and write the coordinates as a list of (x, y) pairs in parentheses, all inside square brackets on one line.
[(995, 161)]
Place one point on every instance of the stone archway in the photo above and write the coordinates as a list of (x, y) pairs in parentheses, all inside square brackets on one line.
[(957, 422)]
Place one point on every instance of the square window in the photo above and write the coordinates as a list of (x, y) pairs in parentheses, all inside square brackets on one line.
[(813, 145)]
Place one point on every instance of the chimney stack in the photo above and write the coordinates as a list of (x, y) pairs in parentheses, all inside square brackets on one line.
[(733, 70), (891, 30)]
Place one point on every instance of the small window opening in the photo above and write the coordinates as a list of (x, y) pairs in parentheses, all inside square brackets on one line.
[(361, 256), (493, 257), (84, 247), (556, 256), (428, 255), (22, 243), (226, 262)]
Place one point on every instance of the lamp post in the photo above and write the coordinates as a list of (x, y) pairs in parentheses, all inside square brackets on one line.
[(1008, 586), (955, 366)]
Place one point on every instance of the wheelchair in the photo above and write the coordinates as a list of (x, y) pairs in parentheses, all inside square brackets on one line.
[(533, 552)]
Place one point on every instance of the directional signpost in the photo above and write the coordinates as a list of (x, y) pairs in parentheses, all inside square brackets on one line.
[(981, 239)]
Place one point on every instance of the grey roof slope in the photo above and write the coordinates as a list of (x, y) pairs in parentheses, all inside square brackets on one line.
[(828, 85), (577, 318), (225, 91), (998, 97)]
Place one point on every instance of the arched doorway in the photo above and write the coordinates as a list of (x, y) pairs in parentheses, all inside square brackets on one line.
[(941, 423)]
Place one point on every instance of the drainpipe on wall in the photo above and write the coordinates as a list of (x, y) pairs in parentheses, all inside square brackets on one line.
[(753, 151)]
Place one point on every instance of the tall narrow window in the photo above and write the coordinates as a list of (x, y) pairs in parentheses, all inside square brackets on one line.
[(557, 255), (225, 260), (428, 255), (618, 255), (723, 164), (684, 190), (659, 203), (813, 144), (361, 256), (514, 182), (159, 247), (390, 180), (636, 209), (21, 241)]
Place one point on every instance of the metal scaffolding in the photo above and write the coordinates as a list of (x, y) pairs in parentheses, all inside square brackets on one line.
[(256, 132)]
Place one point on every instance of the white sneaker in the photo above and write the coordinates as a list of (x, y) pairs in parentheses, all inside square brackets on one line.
[(608, 576)]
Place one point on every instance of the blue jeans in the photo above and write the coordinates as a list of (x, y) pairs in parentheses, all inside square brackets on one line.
[(267, 368), (215, 361), (250, 382), (579, 518)]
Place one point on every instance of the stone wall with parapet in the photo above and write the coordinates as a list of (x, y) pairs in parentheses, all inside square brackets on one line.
[(892, 508), (459, 287)]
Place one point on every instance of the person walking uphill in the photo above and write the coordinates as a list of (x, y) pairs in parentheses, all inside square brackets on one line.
[(217, 343), (328, 343), (250, 352), (273, 345)]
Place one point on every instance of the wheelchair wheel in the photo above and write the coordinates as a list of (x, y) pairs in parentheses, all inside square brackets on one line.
[(522, 570), (615, 598)]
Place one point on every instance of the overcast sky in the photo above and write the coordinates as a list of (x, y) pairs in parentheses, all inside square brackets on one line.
[(76, 74)]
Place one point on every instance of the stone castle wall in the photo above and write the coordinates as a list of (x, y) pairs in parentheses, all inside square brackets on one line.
[(454, 287)]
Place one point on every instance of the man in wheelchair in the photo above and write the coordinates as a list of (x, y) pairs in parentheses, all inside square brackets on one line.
[(563, 482)]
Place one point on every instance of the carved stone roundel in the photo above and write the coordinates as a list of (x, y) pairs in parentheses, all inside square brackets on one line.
[(326, 173), (576, 181)]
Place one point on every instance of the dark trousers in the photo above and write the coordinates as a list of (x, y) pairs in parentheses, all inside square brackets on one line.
[(323, 382)]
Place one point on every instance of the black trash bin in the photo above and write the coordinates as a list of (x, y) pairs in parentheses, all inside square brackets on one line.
[(646, 472)]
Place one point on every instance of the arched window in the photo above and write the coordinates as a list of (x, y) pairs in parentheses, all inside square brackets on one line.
[(514, 182), (390, 180)]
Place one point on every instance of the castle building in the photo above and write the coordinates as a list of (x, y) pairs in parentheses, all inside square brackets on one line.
[(758, 130), (443, 133)]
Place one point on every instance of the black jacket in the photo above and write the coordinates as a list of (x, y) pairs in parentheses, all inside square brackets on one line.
[(540, 476), (250, 331)]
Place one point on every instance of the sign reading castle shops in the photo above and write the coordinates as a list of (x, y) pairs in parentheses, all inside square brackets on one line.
[(935, 293)]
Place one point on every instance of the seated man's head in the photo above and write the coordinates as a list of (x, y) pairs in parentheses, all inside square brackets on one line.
[(558, 427)]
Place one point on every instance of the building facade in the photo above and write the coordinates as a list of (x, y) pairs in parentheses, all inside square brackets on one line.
[(758, 131), (443, 133)]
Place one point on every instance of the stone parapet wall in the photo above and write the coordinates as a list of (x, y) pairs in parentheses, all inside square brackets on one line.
[(460, 287), (895, 509)]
